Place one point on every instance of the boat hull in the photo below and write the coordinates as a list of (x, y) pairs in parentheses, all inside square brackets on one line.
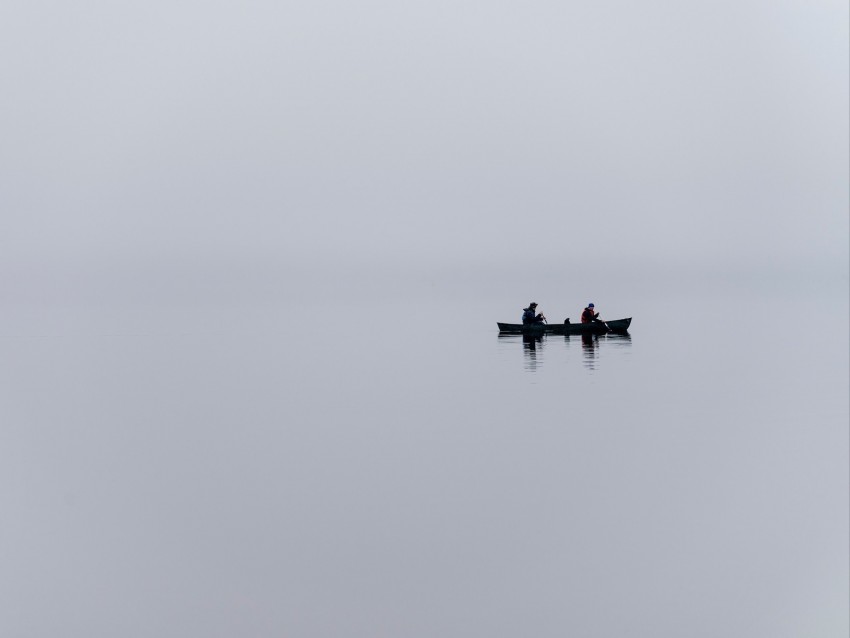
[(617, 326)]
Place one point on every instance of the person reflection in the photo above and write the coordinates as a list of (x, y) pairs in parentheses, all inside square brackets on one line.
[(530, 343), (589, 344), (592, 346)]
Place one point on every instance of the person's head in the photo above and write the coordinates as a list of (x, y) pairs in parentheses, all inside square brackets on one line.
[(532, 305), (590, 305)]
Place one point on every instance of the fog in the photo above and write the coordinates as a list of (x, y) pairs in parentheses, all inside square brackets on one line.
[(207, 207), (154, 134)]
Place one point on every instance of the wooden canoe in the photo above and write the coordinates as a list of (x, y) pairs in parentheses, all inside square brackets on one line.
[(617, 326)]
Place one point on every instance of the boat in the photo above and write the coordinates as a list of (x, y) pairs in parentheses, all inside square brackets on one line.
[(615, 326)]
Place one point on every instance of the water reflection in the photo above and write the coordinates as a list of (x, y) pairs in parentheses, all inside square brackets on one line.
[(588, 350), (530, 344), (592, 347), (532, 348)]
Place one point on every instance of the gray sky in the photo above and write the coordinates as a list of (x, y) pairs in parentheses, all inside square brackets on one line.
[(137, 134), (173, 470)]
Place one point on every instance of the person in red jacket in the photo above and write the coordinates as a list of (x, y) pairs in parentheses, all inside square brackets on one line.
[(588, 315)]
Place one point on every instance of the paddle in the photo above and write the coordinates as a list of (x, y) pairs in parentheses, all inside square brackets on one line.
[(596, 319)]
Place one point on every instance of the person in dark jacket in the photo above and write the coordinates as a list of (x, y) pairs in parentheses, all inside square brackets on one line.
[(529, 316), (588, 315)]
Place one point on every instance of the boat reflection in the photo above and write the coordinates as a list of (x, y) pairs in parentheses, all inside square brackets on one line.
[(589, 343), (591, 346), (532, 348), (530, 344)]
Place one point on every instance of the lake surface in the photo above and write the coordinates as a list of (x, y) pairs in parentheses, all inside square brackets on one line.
[(396, 468)]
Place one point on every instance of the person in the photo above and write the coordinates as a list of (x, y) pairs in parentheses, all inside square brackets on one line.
[(529, 316), (588, 315)]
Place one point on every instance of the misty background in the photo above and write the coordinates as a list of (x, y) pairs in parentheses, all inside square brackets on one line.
[(218, 150), (251, 259)]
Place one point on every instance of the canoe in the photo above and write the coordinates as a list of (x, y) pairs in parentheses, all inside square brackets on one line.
[(617, 326)]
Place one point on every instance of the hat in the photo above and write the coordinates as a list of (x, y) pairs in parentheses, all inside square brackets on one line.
[(532, 305), (590, 305)]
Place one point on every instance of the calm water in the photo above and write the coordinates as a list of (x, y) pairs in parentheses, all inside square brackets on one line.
[(399, 469)]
